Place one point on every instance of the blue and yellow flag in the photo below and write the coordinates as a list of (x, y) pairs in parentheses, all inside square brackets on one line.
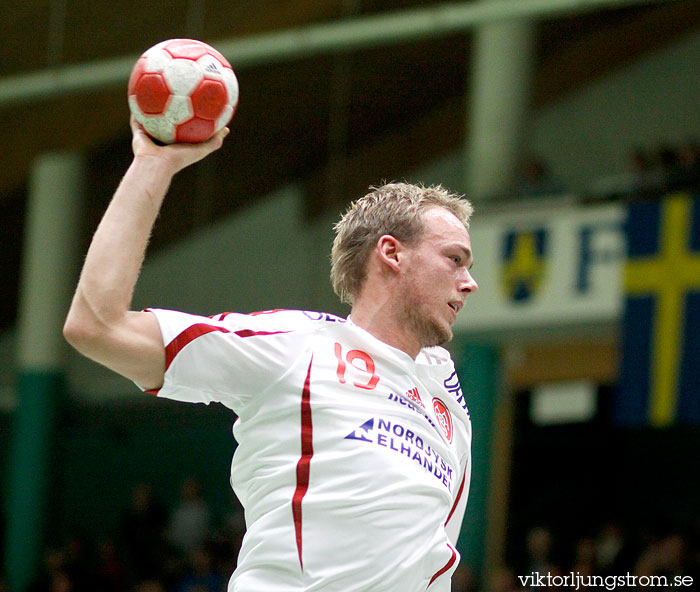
[(660, 375)]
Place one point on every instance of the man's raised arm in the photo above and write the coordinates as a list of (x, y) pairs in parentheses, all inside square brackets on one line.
[(100, 323)]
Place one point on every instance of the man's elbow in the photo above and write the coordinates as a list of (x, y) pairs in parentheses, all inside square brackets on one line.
[(82, 335)]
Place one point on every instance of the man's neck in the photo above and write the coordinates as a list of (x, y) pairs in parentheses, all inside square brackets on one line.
[(381, 323)]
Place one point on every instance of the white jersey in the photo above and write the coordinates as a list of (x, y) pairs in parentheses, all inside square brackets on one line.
[(353, 460)]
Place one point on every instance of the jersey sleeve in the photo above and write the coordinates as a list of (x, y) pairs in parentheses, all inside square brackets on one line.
[(229, 357)]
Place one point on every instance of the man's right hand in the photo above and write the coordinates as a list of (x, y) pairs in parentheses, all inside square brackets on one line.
[(177, 156)]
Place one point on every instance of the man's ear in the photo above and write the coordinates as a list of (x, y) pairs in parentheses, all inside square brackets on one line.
[(389, 249)]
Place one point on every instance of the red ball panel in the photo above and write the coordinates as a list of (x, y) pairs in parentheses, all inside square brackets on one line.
[(195, 130), (136, 72), (186, 48), (152, 93), (209, 99)]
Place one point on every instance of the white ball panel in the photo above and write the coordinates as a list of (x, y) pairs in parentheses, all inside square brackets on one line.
[(231, 83), (135, 110), (182, 76), (179, 109), (224, 118), (157, 60), (159, 127)]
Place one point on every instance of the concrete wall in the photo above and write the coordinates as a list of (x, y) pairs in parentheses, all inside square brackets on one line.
[(591, 133)]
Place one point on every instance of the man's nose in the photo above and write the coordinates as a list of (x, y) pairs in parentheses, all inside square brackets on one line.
[(468, 284)]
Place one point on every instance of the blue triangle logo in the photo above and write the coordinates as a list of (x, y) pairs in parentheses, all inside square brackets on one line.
[(357, 434)]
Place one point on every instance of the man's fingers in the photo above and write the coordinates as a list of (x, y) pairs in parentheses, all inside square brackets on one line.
[(217, 139), (135, 125), (213, 143)]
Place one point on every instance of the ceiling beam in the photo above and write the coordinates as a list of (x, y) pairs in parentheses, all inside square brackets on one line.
[(337, 36)]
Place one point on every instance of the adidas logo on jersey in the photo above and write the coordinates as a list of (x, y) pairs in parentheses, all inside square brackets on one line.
[(414, 395)]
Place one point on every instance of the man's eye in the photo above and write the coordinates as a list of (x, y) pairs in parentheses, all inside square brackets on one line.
[(456, 259)]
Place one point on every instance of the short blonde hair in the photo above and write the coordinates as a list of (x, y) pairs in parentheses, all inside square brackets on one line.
[(394, 209)]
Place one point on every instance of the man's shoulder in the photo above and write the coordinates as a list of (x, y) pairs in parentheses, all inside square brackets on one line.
[(282, 318)]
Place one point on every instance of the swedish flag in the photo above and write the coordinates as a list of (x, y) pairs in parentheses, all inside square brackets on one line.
[(660, 374)]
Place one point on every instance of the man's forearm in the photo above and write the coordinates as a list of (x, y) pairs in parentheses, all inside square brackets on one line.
[(118, 247), (100, 324)]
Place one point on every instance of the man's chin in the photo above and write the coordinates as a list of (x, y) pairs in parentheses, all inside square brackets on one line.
[(430, 333), (438, 336)]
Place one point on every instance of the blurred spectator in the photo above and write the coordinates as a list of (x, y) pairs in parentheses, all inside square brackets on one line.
[(191, 520), (150, 585), (668, 163), (647, 178), (534, 179), (539, 549), (642, 179), (584, 561), (200, 575), (141, 532), (110, 572), (609, 545), (685, 175), (80, 561), (503, 580), (53, 576), (653, 174), (673, 557), (228, 538), (669, 555), (224, 545), (654, 551), (463, 579)]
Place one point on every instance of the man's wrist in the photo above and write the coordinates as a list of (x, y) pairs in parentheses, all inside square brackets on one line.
[(154, 165)]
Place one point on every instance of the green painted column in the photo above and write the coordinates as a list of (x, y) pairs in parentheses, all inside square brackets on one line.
[(501, 79), (47, 281), (479, 369)]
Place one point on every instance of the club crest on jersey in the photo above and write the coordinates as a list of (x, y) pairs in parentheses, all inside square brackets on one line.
[(444, 418), (414, 396)]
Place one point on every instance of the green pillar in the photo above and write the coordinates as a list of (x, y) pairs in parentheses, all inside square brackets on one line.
[(479, 370), (501, 79), (47, 281)]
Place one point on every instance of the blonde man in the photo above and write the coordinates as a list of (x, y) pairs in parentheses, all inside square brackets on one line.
[(353, 455)]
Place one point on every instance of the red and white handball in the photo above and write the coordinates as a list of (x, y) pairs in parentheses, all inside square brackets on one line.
[(182, 90)]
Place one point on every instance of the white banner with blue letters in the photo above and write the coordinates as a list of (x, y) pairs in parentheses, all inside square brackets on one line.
[(546, 266)]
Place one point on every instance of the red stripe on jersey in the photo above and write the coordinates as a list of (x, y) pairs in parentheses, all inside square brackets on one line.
[(188, 336), (459, 495), (303, 466), (193, 331), (447, 566), (251, 333)]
